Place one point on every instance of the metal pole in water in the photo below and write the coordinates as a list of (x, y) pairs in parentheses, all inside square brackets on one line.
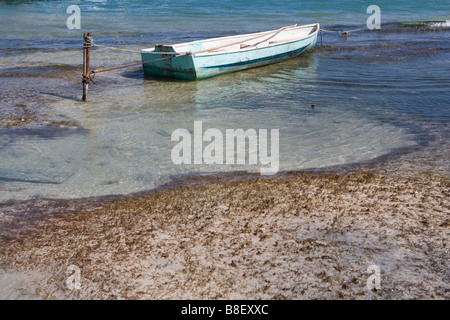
[(84, 67), (86, 63)]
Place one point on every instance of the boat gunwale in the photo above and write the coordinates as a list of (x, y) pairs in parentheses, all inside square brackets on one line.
[(274, 45)]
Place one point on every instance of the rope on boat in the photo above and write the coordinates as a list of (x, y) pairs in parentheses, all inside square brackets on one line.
[(89, 42), (196, 52), (137, 64), (137, 51), (114, 48)]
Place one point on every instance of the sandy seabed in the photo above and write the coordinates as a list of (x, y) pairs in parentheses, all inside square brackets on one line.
[(305, 235)]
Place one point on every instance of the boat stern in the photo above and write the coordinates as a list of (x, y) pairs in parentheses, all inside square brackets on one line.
[(164, 61)]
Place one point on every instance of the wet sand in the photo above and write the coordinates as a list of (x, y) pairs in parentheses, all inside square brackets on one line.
[(298, 235)]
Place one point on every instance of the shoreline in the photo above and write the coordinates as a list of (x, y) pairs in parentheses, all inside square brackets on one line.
[(24, 215), (307, 234), (301, 235), (244, 240)]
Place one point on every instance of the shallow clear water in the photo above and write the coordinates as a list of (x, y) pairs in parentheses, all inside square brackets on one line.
[(375, 92)]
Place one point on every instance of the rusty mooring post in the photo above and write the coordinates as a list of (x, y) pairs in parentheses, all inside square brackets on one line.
[(87, 43)]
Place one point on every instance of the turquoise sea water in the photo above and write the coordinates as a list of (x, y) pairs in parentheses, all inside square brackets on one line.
[(375, 92)]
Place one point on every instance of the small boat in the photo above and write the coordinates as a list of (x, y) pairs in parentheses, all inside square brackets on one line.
[(207, 58)]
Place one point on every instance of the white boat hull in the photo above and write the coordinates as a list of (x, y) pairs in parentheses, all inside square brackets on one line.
[(208, 58)]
